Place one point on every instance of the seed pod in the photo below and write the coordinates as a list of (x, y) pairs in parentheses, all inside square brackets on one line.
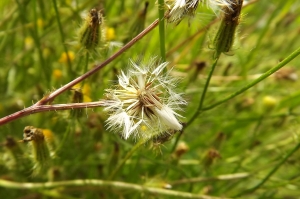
[(39, 145), (89, 34), (227, 30), (210, 157)]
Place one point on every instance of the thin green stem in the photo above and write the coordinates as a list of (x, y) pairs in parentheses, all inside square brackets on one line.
[(62, 37), (162, 29), (176, 141), (262, 77), (199, 109), (101, 184), (34, 34), (128, 155), (87, 57), (98, 67), (251, 190)]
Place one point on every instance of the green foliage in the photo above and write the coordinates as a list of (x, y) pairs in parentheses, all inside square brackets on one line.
[(236, 146)]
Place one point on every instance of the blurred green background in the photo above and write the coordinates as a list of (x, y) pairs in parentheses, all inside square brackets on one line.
[(244, 138)]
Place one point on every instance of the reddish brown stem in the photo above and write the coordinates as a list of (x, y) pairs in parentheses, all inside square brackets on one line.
[(51, 97), (40, 105), (55, 107)]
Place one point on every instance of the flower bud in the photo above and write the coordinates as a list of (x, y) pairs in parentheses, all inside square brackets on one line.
[(269, 102), (89, 34), (227, 30), (181, 149), (210, 157), (39, 145)]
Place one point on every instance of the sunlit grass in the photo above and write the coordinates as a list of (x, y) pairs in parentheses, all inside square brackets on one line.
[(243, 141)]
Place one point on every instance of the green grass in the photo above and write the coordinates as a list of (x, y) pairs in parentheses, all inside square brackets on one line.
[(243, 142)]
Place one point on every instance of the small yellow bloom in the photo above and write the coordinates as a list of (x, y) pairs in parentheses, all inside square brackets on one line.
[(64, 57), (110, 34), (270, 102), (46, 52), (57, 74), (28, 43), (85, 91), (48, 135), (40, 23)]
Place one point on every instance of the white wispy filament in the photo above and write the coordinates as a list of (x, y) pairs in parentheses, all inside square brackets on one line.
[(179, 9), (143, 103)]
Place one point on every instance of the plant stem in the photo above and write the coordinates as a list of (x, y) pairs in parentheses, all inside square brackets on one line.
[(199, 109), (234, 176), (271, 172), (87, 57), (102, 183), (98, 67), (262, 77), (46, 108), (161, 13), (128, 155), (69, 85), (62, 36)]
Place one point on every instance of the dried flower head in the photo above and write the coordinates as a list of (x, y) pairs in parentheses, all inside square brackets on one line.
[(41, 144), (143, 103), (217, 5), (224, 38), (89, 33), (178, 9)]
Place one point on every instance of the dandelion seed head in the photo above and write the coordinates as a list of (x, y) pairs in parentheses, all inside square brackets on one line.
[(179, 9), (143, 103)]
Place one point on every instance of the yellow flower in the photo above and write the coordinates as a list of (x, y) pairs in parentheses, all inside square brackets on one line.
[(40, 23), (270, 102), (28, 43), (110, 34), (64, 57), (57, 74)]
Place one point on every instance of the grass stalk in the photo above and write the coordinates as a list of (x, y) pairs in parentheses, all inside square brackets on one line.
[(62, 37), (199, 109), (162, 44), (101, 184), (267, 177), (127, 156), (253, 83)]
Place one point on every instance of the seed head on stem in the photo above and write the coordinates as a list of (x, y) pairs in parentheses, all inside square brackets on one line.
[(143, 102)]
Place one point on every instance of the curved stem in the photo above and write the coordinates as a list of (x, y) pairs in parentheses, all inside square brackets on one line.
[(46, 108), (251, 190), (128, 155), (98, 67), (199, 109), (262, 77), (225, 177), (67, 86), (102, 183)]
